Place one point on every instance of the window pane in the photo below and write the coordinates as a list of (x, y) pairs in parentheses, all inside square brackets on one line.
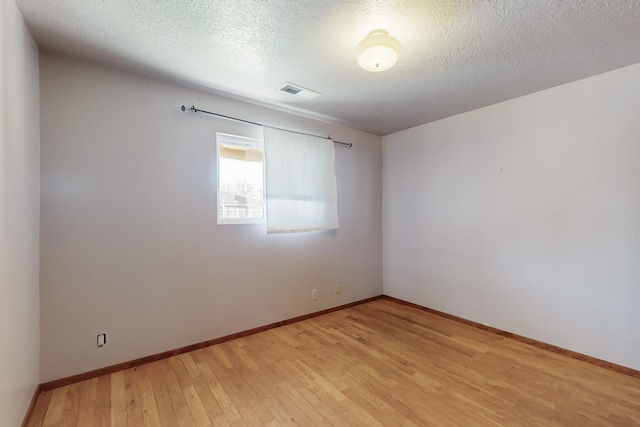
[(240, 180)]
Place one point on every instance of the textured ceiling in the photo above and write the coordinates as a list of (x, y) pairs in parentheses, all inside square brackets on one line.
[(458, 55)]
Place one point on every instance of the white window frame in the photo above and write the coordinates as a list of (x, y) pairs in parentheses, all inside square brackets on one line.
[(245, 142)]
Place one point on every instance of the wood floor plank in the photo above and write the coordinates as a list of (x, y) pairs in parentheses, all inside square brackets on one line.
[(193, 400), (379, 363), (40, 409), (163, 400), (196, 406), (118, 400), (178, 401), (70, 412), (243, 397), (102, 413), (190, 365), (56, 407), (87, 409), (211, 405), (264, 384), (223, 404), (150, 413), (277, 358), (135, 404)]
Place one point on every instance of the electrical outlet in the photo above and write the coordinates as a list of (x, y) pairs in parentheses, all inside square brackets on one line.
[(102, 339), (337, 289), (314, 295)]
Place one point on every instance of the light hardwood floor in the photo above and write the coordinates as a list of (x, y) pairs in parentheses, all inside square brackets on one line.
[(380, 363)]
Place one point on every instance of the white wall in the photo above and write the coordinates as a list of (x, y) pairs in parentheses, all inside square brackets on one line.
[(130, 244), (19, 216), (525, 215)]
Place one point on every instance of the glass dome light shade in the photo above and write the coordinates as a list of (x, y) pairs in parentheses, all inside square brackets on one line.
[(378, 52)]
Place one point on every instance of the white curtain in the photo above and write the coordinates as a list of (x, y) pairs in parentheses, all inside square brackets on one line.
[(300, 182)]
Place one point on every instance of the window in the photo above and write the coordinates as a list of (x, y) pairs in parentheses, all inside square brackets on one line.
[(240, 179)]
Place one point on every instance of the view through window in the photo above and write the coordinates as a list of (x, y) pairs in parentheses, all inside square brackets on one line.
[(240, 180)]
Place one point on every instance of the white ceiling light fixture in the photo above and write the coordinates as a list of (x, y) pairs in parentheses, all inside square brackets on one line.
[(378, 52)]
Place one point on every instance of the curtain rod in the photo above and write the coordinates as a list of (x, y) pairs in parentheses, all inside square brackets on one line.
[(197, 110)]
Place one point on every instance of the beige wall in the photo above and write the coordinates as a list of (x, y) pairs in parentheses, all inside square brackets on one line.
[(129, 239), (19, 216), (525, 215)]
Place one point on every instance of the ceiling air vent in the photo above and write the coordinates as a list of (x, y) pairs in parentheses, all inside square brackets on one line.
[(299, 91), (290, 89)]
